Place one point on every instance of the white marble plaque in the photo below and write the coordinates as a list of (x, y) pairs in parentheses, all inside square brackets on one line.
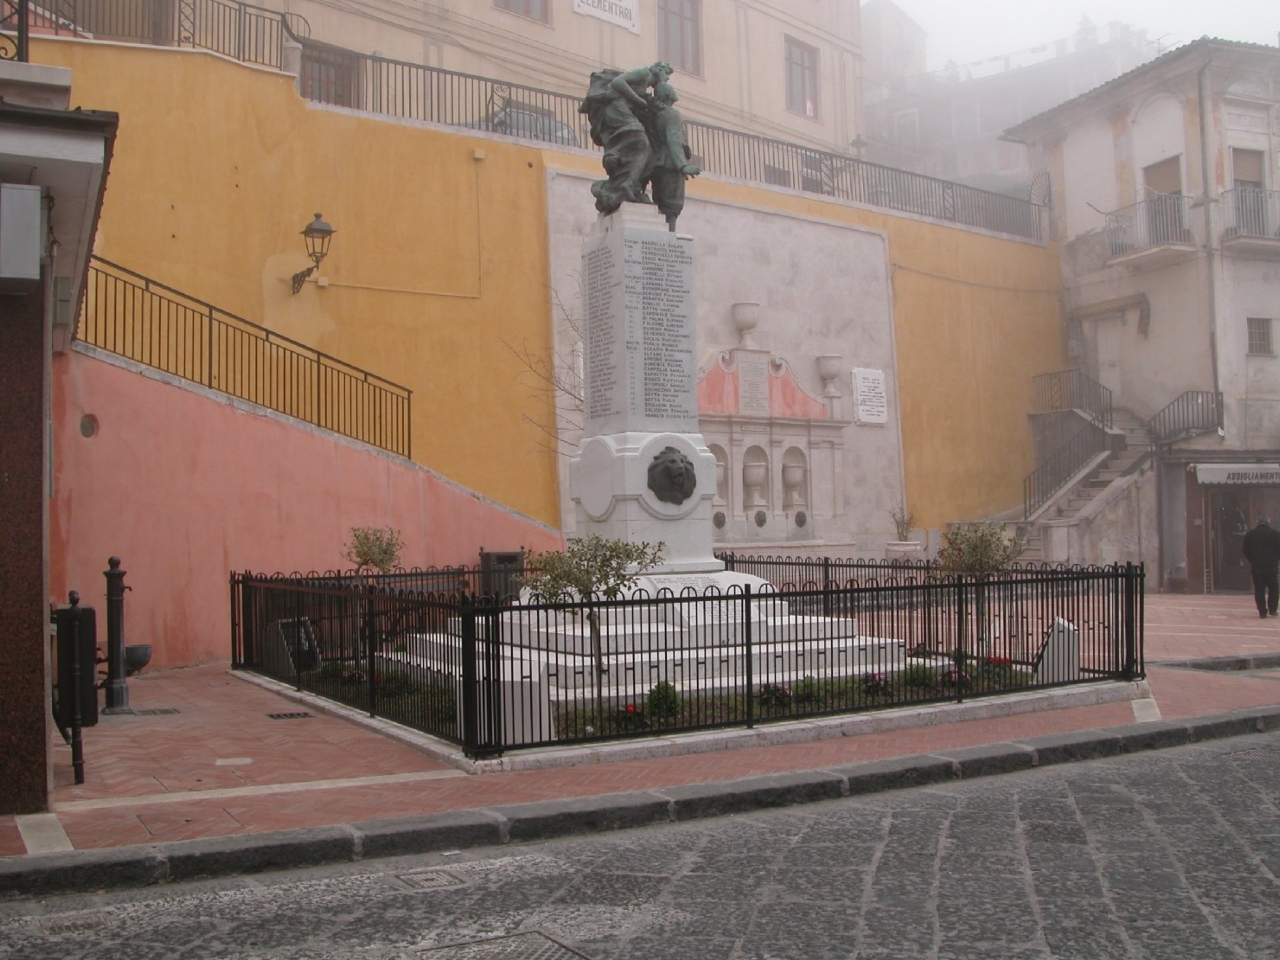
[(623, 13), (641, 374), (753, 383), (870, 402)]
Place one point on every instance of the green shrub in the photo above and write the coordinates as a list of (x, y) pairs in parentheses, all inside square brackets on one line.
[(397, 683), (807, 692), (374, 548), (978, 548), (775, 695), (663, 701), (918, 676)]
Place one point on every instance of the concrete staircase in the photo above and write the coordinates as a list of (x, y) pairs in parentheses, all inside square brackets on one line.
[(1130, 449)]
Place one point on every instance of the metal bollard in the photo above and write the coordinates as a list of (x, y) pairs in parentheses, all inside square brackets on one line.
[(117, 686)]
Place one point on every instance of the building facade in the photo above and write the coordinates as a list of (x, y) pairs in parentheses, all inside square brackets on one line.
[(1166, 203)]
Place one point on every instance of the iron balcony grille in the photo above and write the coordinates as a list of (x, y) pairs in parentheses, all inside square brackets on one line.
[(1251, 212), (150, 323), (494, 677), (1164, 219)]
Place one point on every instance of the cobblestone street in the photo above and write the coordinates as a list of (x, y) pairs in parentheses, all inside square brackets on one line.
[(1172, 854)]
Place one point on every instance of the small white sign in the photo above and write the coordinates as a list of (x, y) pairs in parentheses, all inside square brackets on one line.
[(870, 403), (624, 13)]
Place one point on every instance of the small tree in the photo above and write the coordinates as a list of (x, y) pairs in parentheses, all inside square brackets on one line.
[(978, 548), (592, 569), (373, 548), (903, 521)]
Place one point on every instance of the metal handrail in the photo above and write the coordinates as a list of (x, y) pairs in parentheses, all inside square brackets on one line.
[(154, 324), (1194, 411), (1059, 467), (1073, 390)]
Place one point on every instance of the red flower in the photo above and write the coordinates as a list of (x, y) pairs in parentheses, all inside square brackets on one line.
[(631, 708)]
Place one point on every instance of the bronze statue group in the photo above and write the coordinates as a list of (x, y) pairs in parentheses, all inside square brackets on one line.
[(633, 117)]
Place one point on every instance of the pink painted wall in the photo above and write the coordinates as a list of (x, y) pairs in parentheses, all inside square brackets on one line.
[(185, 488)]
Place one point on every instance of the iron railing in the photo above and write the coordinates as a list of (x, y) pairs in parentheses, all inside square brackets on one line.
[(1073, 390), (1056, 470), (496, 677), (244, 31), (400, 89), (1164, 219), (1251, 212), (1195, 411), (153, 324), (15, 21)]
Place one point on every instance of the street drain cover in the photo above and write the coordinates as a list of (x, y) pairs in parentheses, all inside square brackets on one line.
[(155, 711), (520, 946), (289, 716), (430, 879)]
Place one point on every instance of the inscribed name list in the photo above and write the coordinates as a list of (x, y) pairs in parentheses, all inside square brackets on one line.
[(640, 372)]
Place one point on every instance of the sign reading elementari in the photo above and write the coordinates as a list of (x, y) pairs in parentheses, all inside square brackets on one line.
[(624, 13)]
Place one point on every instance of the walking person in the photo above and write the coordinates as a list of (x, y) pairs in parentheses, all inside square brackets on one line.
[(1262, 550)]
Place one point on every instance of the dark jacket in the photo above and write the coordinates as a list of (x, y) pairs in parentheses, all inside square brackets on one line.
[(1262, 547)]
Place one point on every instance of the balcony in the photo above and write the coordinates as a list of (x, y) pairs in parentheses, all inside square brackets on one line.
[(1251, 221), (1151, 233)]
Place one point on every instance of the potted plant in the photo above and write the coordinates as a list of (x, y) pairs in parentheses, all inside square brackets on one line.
[(904, 548)]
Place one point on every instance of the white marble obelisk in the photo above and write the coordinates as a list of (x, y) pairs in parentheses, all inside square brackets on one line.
[(643, 472)]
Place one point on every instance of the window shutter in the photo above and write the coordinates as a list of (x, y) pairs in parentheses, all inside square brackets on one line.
[(1164, 177), (1246, 166)]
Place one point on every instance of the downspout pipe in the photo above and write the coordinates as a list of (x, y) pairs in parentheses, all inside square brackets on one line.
[(1206, 176)]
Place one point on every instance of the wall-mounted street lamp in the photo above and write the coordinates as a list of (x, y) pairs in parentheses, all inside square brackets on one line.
[(317, 236)]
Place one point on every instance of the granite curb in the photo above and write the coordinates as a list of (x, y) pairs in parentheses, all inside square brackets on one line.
[(86, 871)]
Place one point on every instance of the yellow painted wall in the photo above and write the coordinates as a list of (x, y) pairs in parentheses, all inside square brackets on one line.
[(439, 257), (975, 318)]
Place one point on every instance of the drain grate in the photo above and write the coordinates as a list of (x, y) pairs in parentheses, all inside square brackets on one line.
[(520, 946), (430, 880), (1256, 755), (155, 711), (290, 716), (73, 923)]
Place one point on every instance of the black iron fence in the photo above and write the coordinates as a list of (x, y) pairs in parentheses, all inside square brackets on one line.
[(1194, 411), (148, 322), (1163, 219), (1060, 466), (494, 676), (1065, 390), (244, 31)]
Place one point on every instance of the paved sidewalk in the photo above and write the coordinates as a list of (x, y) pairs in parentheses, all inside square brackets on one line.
[(200, 761)]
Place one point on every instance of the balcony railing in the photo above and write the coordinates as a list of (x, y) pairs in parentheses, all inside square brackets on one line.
[(1196, 411), (1250, 212), (150, 323), (244, 31), (1162, 220), (399, 89), (1073, 390)]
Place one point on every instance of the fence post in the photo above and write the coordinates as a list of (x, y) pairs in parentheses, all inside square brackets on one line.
[(492, 643), (370, 643), (237, 641), (470, 717), (117, 687), (1132, 579), (728, 559), (962, 615), (746, 627), (826, 586)]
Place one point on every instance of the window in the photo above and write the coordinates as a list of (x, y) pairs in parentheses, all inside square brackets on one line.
[(533, 9), (1260, 337), (680, 34), (802, 78), (906, 130)]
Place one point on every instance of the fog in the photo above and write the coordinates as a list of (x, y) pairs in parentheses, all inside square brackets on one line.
[(980, 29)]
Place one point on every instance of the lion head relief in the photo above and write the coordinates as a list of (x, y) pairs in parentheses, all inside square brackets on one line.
[(672, 476)]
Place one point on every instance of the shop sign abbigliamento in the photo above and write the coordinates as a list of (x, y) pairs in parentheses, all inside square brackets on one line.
[(1248, 474), (624, 13)]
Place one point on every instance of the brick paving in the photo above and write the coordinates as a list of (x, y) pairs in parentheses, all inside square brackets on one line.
[(219, 767)]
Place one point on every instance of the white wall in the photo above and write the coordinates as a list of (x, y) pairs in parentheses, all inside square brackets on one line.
[(1089, 175)]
